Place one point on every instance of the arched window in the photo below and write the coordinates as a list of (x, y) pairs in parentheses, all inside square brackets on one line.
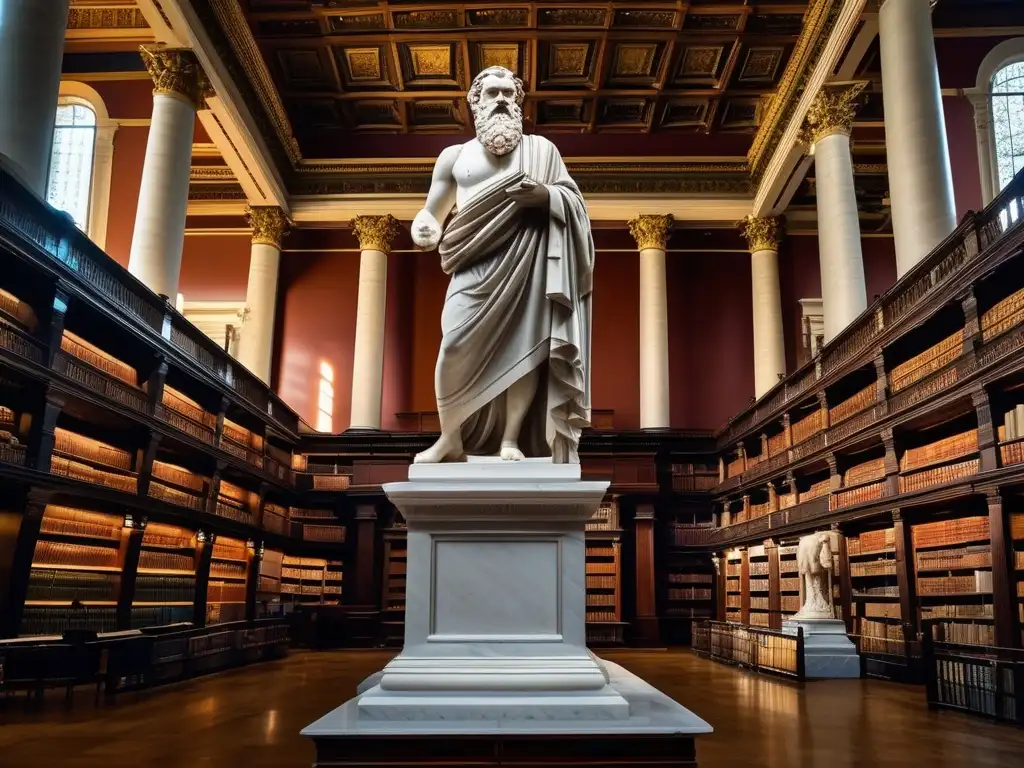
[(1008, 121), (71, 163), (82, 159)]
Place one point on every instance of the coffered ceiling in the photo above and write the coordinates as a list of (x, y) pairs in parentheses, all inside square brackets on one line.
[(353, 67)]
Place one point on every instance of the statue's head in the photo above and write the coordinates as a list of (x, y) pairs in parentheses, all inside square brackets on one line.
[(496, 98)]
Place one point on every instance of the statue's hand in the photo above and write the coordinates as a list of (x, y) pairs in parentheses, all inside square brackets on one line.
[(426, 231), (529, 193)]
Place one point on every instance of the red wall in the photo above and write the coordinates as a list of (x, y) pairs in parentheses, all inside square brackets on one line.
[(215, 267), (316, 321), (615, 346)]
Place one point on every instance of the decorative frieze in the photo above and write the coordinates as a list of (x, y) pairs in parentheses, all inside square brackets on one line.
[(177, 72), (651, 230), (269, 224), (375, 233)]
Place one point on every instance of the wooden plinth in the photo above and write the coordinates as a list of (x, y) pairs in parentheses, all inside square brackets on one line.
[(593, 751)]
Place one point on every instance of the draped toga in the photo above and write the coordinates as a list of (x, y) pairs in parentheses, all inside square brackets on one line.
[(519, 299)]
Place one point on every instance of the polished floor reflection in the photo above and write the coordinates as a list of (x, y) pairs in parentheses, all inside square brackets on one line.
[(251, 718)]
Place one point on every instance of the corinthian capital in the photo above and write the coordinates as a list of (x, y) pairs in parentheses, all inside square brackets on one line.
[(269, 224), (651, 230), (177, 72), (833, 111), (375, 233), (763, 234)]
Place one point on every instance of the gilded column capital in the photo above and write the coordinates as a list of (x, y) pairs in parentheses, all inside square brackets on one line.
[(177, 72), (269, 224), (832, 112), (651, 230), (763, 234), (375, 233)]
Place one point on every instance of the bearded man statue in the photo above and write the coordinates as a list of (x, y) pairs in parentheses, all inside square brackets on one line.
[(513, 371)]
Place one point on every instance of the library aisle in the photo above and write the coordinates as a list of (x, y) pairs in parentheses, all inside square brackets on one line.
[(252, 717)]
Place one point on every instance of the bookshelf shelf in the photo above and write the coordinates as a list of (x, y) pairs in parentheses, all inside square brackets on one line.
[(165, 588), (225, 597), (604, 576)]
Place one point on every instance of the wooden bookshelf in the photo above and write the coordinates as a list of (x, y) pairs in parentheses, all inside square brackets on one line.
[(789, 581), (927, 362), (225, 593), (92, 461), (311, 580), (861, 401), (693, 478), (165, 585), (734, 586), (177, 485), (319, 525), (941, 461), (759, 586), (953, 579), (17, 312), (808, 426), (102, 361), (234, 503), (185, 414), (12, 450), (689, 593), (75, 579), (242, 443), (268, 590), (276, 519), (875, 593), (1003, 315), (604, 576), (1017, 553)]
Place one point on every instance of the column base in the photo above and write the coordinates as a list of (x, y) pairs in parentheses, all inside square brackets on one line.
[(828, 651)]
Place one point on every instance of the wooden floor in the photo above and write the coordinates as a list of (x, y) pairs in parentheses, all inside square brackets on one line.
[(250, 718)]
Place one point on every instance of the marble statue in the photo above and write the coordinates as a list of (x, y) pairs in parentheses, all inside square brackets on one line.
[(814, 561), (513, 371)]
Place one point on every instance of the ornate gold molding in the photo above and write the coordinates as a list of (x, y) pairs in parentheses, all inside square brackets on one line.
[(763, 234), (375, 233), (651, 230), (177, 72), (833, 111), (269, 224)]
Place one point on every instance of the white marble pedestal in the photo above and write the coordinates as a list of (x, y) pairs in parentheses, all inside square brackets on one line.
[(495, 625), (828, 651)]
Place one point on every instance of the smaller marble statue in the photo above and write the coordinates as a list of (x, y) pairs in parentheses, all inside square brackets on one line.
[(814, 560)]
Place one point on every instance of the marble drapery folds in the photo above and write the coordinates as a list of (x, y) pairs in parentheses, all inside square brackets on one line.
[(519, 300)]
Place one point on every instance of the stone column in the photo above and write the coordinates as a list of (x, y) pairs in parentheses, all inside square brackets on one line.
[(375, 234), (843, 293), (986, 158), (31, 52), (256, 345), (921, 182), (763, 235), (651, 235), (163, 196)]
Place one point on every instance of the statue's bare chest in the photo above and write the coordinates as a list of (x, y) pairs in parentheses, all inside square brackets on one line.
[(476, 168)]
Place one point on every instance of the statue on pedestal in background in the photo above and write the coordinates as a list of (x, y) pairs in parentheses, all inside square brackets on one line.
[(513, 371), (814, 561)]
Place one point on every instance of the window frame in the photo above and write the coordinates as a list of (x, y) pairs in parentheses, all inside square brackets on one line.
[(75, 92), (1001, 56)]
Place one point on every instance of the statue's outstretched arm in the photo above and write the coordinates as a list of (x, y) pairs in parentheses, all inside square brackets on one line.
[(426, 227)]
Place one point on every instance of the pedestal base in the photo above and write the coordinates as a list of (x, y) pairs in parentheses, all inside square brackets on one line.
[(656, 731), (828, 652)]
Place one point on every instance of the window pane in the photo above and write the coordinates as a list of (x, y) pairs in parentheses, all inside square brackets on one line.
[(74, 142), (323, 422)]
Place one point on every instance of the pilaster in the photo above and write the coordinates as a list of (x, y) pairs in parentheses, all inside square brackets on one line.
[(645, 629)]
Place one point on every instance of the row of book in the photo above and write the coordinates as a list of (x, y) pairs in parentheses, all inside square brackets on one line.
[(165, 589), (225, 592), (968, 634), (225, 548), (600, 551), (592, 567), (310, 574), (976, 556), (326, 533), (734, 570), (929, 361), (601, 615), (873, 568), (1013, 424), (220, 569), (946, 474), (860, 495), (874, 469), (871, 542), (759, 585), (76, 470), (157, 560), (852, 405), (689, 578), (1018, 560), (58, 620), (759, 603), (160, 615), (601, 582), (789, 603), (950, 532), (78, 347), (1003, 315), (733, 601), (979, 582), (947, 448), (879, 629), (82, 447), (162, 536), (957, 611), (789, 585), (187, 499), (58, 553), (808, 426), (223, 613), (600, 598), (46, 584), (179, 476), (878, 610), (758, 568), (760, 619), (691, 593)]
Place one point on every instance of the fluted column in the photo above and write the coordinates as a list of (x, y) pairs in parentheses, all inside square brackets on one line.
[(31, 52), (843, 293), (256, 345), (651, 235), (375, 234), (763, 235), (163, 196), (920, 181)]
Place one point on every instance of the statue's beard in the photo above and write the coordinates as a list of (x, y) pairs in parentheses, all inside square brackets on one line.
[(500, 131)]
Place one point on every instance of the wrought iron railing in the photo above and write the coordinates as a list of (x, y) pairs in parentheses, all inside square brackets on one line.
[(978, 680)]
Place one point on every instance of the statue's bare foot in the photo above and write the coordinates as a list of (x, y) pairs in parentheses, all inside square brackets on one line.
[(510, 451), (446, 448)]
